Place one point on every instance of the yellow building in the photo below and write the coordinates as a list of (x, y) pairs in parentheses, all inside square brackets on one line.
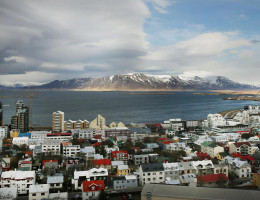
[(256, 179), (123, 170), (14, 133), (221, 155), (58, 121), (98, 123)]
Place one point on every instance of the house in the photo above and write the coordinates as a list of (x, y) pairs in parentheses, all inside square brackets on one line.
[(59, 195), (116, 163), (98, 174), (213, 180), (240, 168), (212, 149), (50, 164), (221, 168), (74, 162), (38, 192), (221, 155), (123, 170), (186, 168), (19, 141), (20, 179), (8, 193), (120, 155), (141, 159), (244, 148), (55, 181), (152, 145), (79, 177), (69, 150), (102, 163), (92, 189), (151, 173), (180, 146), (171, 170), (203, 167), (128, 181), (25, 165), (187, 179)]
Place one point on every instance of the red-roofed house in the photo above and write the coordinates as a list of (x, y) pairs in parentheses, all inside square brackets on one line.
[(120, 155), (247, 158), (104, 163), (50, 164), (96, 144), (244, 148), (213, 180), (92, 189), (136, 149), (203, 156)]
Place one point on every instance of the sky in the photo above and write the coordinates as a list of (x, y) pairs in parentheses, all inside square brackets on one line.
[(45, 40)]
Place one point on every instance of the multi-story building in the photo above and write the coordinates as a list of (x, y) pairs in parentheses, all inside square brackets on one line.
[(89, 133), (212, 149), (51, 146), (69, 150), (244, 148), (98, 123), (20, 179), (120, 155), (151, 173), (38, 192), (123, 170), (63, 137), (1, 115), (2, 132), (141, 159), (58, 121), (215, 120), (171, 170), (20, 141), (118, 131), (21, 119)]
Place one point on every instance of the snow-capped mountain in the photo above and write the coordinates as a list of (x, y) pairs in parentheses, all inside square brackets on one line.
[(141, 81), (12, 85)]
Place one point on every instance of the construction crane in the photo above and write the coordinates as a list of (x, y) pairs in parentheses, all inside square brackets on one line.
[(30, 95)]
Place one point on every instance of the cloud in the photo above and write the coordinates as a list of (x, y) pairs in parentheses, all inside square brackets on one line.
[(161, 5), (71, 36)]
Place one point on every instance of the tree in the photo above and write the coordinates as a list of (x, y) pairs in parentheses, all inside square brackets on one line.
[(176, 155), (101, 150)]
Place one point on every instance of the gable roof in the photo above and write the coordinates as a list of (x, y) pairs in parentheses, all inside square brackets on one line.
[(98, 185), (149, 167), (238, 144)]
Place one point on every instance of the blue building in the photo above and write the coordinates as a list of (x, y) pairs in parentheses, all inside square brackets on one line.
[(25, 135)]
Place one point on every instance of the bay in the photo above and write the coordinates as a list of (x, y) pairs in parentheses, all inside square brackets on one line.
[(127, 107)]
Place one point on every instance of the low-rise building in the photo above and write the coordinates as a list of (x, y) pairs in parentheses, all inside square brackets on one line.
[(92, 189), (141, 159), (20, 179), (8, 193), (212, 149), (120, 155), (151, 173), (128, 181), (51, 146), (244, 148), (123, 170), (38, 192), (55, 182)]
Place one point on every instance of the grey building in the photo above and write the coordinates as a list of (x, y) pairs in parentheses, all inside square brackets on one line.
[(128, 181), (141, 159)]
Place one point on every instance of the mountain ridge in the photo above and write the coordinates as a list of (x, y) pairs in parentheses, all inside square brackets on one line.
[(145, 82)]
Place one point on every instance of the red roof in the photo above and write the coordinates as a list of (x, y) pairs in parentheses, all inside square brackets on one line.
[(212, 178), (167, 142), (203, 156), (242, 132), (47, 161), (93, 186), (102, 162), (96, 144), (114, 153), (98, 136), (238, 144), (29, 153), (238, 155)]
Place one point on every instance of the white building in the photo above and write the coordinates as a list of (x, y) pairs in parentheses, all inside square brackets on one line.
[(58, 121), (51, 146), (171, 171), (39, 134), (79, 177), (38, 192), (212, 149), (2, 132), (19, 141), (241, 168), (89, 133), (180, 146), (245, 148), (20, 179), (151, 173), (141, 159), (89, 152), (220, 138), (71, 150), (215, 120), (55, 181)]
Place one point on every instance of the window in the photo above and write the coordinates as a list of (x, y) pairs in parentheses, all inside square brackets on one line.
[(43, 193), (34, 194)]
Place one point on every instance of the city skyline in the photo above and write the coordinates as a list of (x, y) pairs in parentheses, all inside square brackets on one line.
[(47, 40)]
